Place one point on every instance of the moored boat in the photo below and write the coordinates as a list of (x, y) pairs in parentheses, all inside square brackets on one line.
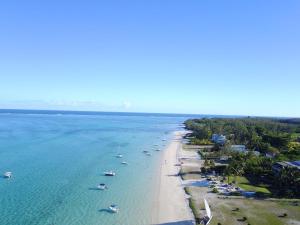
[(113, 208), (7, 175), (101, 187), (109, 173)]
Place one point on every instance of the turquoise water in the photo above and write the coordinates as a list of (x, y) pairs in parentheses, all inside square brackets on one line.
[(58, 159)]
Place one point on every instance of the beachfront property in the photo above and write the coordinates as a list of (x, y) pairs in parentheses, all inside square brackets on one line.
[(224, 158), (218, 139), (278, 166)]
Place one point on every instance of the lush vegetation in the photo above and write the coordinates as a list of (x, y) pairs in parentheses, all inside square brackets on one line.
[(273, 136), (281, 137)]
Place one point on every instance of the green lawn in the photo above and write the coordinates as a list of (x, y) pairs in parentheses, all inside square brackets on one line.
[(245, 184), (257, 212)]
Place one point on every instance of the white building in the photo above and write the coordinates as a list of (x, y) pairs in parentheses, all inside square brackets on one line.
[(238, 148)]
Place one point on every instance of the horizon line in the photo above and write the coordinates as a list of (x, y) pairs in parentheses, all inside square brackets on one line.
[(125, 112)]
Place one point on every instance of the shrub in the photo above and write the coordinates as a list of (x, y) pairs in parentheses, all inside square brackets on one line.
[(215, 190)]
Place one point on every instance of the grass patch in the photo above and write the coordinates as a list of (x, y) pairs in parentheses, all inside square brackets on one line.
[(193, 206), (246, 185), (187, 173)]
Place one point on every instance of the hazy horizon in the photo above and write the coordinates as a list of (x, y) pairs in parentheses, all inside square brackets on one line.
[(81, 112)]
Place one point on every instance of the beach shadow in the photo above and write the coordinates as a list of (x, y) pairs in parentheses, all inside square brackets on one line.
[(185, 222)]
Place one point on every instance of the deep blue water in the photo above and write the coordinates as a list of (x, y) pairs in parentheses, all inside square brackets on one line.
[(57, 159)]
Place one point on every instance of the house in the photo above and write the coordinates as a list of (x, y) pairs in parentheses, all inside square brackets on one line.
[(277, 167), (238, 148), (218, 139)]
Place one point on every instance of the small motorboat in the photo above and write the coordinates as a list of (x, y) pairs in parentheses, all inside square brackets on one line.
[(101, 187), (148, 153), (119, 156), (7, 175), (113, 208), (157, 149), (145, 151), (109, 173), (124, 163), (164, 139)]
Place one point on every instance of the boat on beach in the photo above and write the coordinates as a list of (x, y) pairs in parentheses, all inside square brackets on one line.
[(109, 173), (207, 218), (7, 175)]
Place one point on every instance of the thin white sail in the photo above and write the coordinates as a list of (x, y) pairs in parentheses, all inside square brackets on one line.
[(208, 211)]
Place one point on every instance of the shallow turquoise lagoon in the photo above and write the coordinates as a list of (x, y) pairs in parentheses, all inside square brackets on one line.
[(58, 159)]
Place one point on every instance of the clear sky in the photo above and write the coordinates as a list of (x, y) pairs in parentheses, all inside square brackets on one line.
[(199, 56)]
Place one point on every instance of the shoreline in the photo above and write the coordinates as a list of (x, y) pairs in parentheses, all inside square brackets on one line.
[(171, 204)]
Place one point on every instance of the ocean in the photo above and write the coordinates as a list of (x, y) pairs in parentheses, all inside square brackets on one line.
[(58, 158)]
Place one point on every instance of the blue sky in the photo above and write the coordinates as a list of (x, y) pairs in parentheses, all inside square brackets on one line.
[(207, 57)]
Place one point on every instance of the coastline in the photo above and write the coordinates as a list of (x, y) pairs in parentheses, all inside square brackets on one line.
[(171, 203)]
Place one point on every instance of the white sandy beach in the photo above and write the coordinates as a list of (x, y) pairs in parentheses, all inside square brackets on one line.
[(171, 206)]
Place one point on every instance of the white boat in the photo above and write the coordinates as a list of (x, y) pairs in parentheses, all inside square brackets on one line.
[(124, 163), (148, 153), (109, 173), (7, 175), (164, 139), (101, 187), (119, 156), (157, 150), (145, 151), (113, 208)]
